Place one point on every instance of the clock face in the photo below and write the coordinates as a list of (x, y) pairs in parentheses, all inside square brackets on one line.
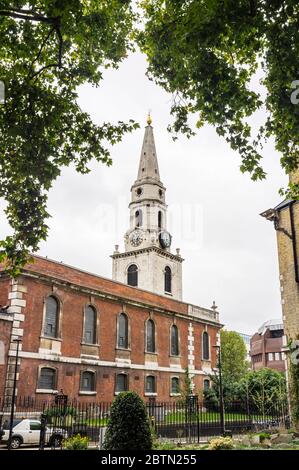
[(136, 238), (165, 239)]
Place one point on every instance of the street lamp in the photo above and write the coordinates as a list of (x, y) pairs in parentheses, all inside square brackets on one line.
[(220, 391), (18, 341)]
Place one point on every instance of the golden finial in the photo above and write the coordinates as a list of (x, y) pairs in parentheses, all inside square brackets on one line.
[(149, 118)]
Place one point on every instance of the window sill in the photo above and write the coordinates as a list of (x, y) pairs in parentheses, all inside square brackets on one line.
[(90, 356), (89, 344), (175, 355), (86, 392), (175, 394), (117, 393), (45, 390), (207, 360), (51, 337), (152, 353), (168, 293), (122, 349), (150, 394)]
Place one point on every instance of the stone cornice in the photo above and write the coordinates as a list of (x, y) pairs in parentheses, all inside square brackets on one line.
[(48, 278), (148, 249)]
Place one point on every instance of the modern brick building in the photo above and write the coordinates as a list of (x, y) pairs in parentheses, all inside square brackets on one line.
[(266, 347), (94, 337)]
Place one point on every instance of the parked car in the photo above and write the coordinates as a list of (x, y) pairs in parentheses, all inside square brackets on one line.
[(27, 431)]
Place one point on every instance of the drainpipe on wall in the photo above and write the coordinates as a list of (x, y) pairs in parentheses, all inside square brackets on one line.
[(294, 244)]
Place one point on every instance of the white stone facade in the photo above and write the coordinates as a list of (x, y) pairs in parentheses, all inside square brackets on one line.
[(151, 267)]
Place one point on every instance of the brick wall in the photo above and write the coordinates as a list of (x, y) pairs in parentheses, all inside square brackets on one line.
[(75, 290), (289, 286)]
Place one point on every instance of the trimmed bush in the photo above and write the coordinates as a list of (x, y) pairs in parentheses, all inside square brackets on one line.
[(75, 443), (128, 427), (221, 443)]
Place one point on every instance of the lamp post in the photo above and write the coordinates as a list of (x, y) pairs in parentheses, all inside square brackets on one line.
[(222, 424), (18, 341)]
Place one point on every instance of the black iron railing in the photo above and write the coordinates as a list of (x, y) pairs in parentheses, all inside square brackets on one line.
[(188, 420)]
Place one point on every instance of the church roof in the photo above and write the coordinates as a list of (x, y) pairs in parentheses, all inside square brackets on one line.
[(148, 166)]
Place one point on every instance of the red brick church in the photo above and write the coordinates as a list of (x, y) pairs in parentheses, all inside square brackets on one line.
[(94, 337)]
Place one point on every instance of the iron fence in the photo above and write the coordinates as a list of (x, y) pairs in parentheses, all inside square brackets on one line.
[(188, 420)]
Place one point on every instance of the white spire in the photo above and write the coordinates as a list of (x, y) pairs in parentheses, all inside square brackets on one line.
[(148, 166)]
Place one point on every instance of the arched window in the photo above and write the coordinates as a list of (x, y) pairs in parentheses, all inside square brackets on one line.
[(206, 385), (175, 385), (138, 218), (160, 219), (174, 340), (133, 275), (51, 318), (123, 331), (47, 379), (88, 383), (121, 383), (150, 336), (205, 346), (150, 384), (90, 325), (167, 279)]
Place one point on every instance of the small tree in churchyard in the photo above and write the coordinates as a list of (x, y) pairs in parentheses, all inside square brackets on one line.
[(128, 426)]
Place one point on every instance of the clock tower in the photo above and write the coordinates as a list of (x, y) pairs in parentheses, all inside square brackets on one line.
[(147, 261)]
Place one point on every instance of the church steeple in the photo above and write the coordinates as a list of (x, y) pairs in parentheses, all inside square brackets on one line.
[(148, 165), (147, 261)]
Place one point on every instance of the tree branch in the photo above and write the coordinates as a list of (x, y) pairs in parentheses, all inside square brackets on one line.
[(60, 44), (43, 45), (24, 16), (252, 7), (44, 68)]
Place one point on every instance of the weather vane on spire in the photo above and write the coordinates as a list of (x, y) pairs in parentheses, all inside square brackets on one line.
[(149, 118)]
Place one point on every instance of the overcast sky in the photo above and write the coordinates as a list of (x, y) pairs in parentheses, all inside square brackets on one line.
[(229, 250)]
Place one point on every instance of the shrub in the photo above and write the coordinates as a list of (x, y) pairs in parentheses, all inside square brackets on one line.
[(263, 436), (221, 443), (75, 443), (128, 427)]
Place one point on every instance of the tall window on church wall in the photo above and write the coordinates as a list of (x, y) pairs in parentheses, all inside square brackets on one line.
[(150, 336), (167, 279), (160, 219), (150, 384), (123, 340), (47, 379), (138, 218), (205, 346), (174, 340), (90, 323), (121, 383), (88, 382), (132, 275), (51, 318)]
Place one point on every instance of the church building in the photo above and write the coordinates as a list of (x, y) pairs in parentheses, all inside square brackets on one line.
[(94, 337)]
